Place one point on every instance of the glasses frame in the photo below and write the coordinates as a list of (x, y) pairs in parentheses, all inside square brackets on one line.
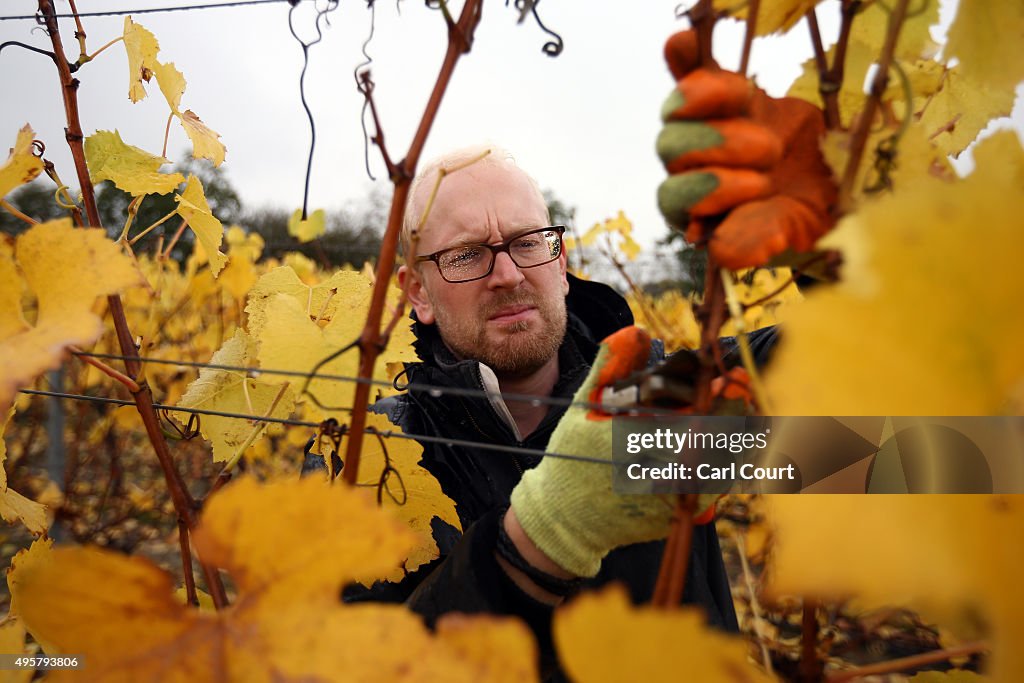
[(495, 249)]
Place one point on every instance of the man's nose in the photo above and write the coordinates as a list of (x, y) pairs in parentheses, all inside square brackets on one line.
[(505, 273)]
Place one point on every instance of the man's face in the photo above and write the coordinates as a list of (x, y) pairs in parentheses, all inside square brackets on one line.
[(514, 319)]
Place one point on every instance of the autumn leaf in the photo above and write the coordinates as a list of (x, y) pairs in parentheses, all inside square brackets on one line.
[(307, 229), (602, 637), (320, 300), (193, 207), (289, 546), (297, 326), (231, 391), (141, 46), (206, 142), (22, 166), (12, 642), (948, 555), (986, 38), (904, 159), (171, 82), (26, 562), (14, 506), (912, 329), (243, 251), (131, 169), (772, 15), (410, 491), (66, 269), (477, 640), (291, 340), (872, 24), (961, 109)]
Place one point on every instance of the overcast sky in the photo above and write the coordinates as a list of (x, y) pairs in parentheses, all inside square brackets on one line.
[(582, 123)]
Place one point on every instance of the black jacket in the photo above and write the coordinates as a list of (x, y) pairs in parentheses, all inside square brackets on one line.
[(467, 577)]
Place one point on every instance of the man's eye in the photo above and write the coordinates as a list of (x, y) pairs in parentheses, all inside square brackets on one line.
[(462, 257)]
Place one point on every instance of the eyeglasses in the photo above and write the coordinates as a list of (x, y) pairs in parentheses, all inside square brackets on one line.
[(476, 261)]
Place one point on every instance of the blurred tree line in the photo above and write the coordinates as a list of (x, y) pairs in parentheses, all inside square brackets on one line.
[(353, 234)]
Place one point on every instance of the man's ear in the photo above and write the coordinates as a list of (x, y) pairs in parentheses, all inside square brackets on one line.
[(563, 261), (417, 294)]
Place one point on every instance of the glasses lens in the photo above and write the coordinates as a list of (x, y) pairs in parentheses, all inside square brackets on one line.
[(536, 248), (464, 263)]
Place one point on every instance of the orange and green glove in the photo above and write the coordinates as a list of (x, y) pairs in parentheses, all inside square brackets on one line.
[(567, 507), (747, 175)]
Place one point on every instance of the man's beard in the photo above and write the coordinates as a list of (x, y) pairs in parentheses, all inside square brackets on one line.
[(525, 347)]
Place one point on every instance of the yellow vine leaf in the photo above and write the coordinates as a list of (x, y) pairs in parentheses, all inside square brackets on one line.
[(205, 600), (306, 230), (915, 42), (250, 530), (986, 38), (915, 157), (948, 555), (11, 320), (603, 637), (206, 142), (629, 247), (13, 505), (413, 494), (141, 46), (772, 15), (287, 623), (291, 340), (244, 250), (26, 562), (67, 269), (961, 109), (193, 207), (171, 82), (477, 640), (12, 641), (304, 267), (231, 391), (669, 317), (131, 169), (22, 166), (934, 284), (320, 300)]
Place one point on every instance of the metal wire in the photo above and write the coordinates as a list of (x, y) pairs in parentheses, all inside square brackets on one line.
[(385, 433), (434, 390), (149, 10)]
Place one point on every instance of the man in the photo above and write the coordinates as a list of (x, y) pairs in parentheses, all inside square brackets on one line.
[(495, 310)]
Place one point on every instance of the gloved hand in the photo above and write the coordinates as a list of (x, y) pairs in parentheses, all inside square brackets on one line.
[(567, 507), (732, 149)]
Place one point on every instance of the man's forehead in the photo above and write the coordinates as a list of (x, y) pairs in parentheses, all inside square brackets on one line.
[(476, 205)]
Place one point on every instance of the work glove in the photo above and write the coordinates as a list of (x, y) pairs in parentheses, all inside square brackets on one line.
[(738, 155), (567, 507)]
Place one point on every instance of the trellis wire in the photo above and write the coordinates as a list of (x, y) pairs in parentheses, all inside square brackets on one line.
[(150, 10), (386, 433), (432, 389)]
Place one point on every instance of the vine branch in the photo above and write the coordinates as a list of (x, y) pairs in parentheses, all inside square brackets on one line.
[(183, 503), (460, 39), (859, 138), (668, 591)]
